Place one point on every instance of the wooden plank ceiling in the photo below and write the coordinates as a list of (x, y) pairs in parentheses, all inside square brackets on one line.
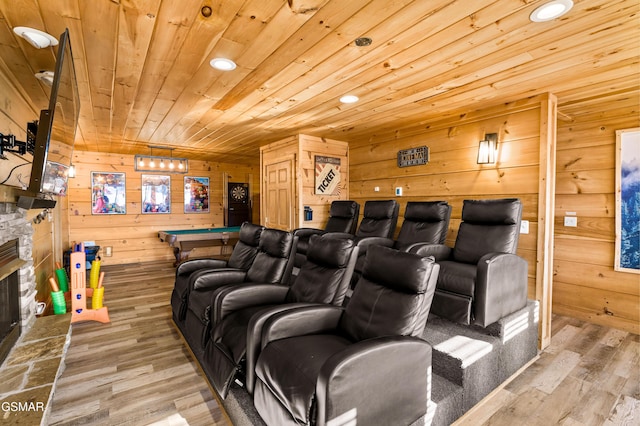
[(145, 79)]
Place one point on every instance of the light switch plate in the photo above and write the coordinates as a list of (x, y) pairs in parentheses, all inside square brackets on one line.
[(571, 221), (524, 227)]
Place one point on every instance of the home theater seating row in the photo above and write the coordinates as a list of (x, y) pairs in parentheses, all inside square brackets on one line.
[(347, 325)]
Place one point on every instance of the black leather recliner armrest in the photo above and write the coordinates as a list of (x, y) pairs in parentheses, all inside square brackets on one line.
[(190, 266), (217, 278), (307, 232), (339, 235), (301, 321), (233, 298), (384, 380), (254, 338), (202, 272), (501, 287), (364, 243), (438, 251)]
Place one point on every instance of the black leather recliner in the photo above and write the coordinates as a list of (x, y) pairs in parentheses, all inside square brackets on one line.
[(364, 362), (377, 226), (343, 217), (379, 220), (272, 265), (425, 222), (481, 279), (323, 279), (244, 252)]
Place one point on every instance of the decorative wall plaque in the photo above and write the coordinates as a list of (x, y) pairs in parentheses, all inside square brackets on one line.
[(413, 157)]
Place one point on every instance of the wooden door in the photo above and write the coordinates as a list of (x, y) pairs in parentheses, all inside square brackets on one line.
[(278, 188), (238, 206)]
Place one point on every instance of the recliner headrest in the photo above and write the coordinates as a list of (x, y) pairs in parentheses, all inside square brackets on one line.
[(427, 211), (343, 208), (381, 209), (250, 234), (393, 296), (275, 242), (488, 226), (397, 270), (505, 211), (330, 252)]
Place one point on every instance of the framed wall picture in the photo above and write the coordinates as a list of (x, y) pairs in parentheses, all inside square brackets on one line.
[(196, 194), (108, 193), (627, 258), (156, 194)]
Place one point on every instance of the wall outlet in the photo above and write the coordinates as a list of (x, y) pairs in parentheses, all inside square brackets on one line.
[(524, 227), (571, 221), (108, 251), (398, 191), (376, 189)]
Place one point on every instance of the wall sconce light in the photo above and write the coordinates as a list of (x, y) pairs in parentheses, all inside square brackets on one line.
[(488, 149), (154, 163)]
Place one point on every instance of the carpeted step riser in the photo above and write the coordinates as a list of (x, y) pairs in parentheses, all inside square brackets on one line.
[(478, 360), (448, 399)]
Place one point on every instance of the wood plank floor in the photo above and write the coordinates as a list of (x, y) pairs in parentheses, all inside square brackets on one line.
[(589, 375), (136, 371)]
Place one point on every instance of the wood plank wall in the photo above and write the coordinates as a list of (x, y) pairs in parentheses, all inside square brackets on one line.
[(310, 146), (304, 148), (585, 284), (43, 254), (133, 236), (453, 174)]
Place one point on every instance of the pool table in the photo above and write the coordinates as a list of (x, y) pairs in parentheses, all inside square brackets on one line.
[(185, 240)]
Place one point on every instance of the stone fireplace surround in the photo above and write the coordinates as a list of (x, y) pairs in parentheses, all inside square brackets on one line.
[(15, 225), (29, 374)]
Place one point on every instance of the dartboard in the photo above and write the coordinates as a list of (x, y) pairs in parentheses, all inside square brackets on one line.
[(238, 193)]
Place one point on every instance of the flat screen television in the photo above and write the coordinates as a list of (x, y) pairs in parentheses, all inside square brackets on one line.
[(56, 132)]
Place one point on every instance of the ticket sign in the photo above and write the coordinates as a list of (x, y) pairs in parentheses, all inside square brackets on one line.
[(413, 156), (327, 175)]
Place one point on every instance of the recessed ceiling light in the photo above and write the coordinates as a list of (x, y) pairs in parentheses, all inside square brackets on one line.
[(551, 10), (349, 99), (206, 11), (36, 38), (223, 64), (46, 77)]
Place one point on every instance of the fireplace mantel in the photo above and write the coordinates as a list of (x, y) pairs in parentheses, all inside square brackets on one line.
[(11, 267)]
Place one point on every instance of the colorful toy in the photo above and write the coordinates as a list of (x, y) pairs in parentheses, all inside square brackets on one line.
[(94, 274), (57, 296), (79, 311), (63, 280), (98, 294)]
